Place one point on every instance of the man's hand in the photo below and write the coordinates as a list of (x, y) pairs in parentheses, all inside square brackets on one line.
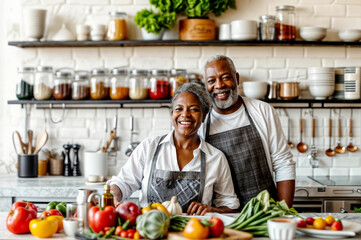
[(198, 209), (117, 194)]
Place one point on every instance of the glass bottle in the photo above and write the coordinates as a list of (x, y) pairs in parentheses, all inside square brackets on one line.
[(138, 84), (80, 86), (159, 87), (43, 83), (285, 23), (267, 27), (62, 84), (119, 84), (25, 83), (99, 84), (107, 197), (177, 77), (117, 26)]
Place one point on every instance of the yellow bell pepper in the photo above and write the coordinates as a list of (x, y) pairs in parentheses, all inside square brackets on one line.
[(60, 221), (157, 206), (43, 228)]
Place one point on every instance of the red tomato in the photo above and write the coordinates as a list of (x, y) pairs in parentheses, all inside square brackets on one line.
[(99, 219), (19, 217), (51, 212), (310, 220), (130, 233), (216, 230), (337, 225), (123, 234), (301, 224), (118, 230)]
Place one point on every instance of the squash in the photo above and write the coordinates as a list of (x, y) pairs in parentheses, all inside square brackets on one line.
[(153, 224), (173, 206)]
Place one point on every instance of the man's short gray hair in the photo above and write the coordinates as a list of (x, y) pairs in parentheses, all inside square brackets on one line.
[(221, 57), (199, 91)]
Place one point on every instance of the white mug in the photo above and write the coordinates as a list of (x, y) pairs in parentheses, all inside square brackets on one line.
[(95, 163), (34, 23), (72, 226), (224, 32)]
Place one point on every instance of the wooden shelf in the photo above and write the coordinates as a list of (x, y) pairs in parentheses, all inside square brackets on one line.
[(175, 43)]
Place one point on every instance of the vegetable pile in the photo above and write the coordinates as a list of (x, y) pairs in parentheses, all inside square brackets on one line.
[(253, 217)]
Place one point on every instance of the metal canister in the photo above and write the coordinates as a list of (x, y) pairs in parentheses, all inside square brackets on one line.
[(83, 205), (352, 79), (272, 90)]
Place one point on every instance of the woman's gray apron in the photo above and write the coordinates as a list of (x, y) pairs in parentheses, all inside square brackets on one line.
[(247, 159), (187, 186)]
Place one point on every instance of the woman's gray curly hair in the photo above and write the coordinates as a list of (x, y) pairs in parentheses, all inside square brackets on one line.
[(199, 91)]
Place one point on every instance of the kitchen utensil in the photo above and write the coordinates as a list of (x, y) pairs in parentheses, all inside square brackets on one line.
[(301, 147), (330, 152), (23, 146), (107, 143), (41, 139), (76, 164), (114, 143), (289, 90), (339, 148), (312, 157), (350, 147), (313, 146), (132, 144), (30, 142), (67, 163), (288, 134), (27, 165)]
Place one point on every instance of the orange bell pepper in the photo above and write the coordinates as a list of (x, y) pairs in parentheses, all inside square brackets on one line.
[(157, 206), (60, 221), (195, 229)]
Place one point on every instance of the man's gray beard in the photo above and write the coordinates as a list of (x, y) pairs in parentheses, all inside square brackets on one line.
[(232, 99)]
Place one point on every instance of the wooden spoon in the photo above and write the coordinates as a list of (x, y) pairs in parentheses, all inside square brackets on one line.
[(350, 147), (41, 139), (329, 152), (339, 148), (301, 147), (30, 142)]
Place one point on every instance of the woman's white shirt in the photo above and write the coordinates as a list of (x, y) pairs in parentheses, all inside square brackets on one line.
[(134, 175)]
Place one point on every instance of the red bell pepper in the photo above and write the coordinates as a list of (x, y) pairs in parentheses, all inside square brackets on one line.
[(19, 217), (51, 212), (99, 218)]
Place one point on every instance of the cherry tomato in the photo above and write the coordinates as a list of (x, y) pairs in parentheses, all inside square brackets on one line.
[(329, 220), (301, 224), (118, 230), (337, 225), (310, 220), (319, 223), (130, 233), (137, 235), (123, 234), (216, 230)]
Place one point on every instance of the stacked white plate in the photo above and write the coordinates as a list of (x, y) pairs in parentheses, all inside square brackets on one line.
[(244, 30), (321, 82)]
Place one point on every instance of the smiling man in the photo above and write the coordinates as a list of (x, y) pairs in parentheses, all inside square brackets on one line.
[(249, 133)]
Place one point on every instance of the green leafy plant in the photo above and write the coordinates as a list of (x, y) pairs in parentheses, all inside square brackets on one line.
[(357, 210), (153, 22)]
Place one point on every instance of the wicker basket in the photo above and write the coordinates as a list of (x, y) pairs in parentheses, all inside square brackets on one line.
[(56, 166)]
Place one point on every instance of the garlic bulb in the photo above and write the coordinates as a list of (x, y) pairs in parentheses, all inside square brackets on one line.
[(173, 206)]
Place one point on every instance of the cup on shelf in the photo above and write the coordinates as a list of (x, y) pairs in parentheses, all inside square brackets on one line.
[(97, 32), (82, 32), (34, 23), (224, 32)]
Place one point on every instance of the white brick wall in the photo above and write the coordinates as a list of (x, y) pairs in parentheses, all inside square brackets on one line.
[(86, 127)]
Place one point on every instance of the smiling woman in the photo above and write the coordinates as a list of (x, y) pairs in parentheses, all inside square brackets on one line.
[(180, 163)]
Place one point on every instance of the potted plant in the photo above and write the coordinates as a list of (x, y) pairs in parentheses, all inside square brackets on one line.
[(197, 26), (153, 24)]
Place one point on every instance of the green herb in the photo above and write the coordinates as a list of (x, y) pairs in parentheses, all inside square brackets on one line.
[(357, 210), (153, 22)]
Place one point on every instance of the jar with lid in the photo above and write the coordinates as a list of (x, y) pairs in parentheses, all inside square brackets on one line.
[(43, 83), (177, 77), (119, 84), (117, 27), (285, 23), (62, 84), (267, 27), (138, 84), (99, 84), (25, 83), (80, 86), (159, 87)]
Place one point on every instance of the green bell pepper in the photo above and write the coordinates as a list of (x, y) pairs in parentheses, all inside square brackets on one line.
[(58, 206), (51, 205), (61, 208)]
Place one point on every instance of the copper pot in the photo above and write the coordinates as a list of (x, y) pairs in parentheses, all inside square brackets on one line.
[(289, 90)]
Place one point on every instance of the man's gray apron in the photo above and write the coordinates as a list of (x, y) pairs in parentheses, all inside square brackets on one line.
[(247, 159), (187, 186)]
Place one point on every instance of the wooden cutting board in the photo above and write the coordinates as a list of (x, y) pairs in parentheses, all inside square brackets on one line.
[(228, 235)]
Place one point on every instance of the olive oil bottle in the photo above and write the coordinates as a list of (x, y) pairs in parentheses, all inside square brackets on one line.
[(107, 197)]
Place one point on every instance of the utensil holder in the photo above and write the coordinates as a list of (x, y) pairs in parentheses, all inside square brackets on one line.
[(95, 163), (56, 166), (27, 165)]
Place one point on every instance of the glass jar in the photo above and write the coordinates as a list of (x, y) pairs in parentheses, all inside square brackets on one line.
[(177, 77), (196, 78), (117, 26), (62, 84), (119, 84), (99, 84), (138, 84), (267, 27), (285, 23), (43, 83), (159, 87), (80, 86), (25, 83)]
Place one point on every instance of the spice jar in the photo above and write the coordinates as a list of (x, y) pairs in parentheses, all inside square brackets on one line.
[(177, 77), (80, 86), (99, 84), (159, 87), (62, 84), (117, 27), (119, 84), (285, 23), (43, 83), (267, 27), (25, 83), (138, 84)]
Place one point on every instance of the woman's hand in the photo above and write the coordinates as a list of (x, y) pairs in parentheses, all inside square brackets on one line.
[(198, 209), (117, 194)]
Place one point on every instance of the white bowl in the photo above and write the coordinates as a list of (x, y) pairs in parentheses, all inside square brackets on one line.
[(321, 92), (243, 26), (255, 89), (244, 36), (350, 35), (313, 33)]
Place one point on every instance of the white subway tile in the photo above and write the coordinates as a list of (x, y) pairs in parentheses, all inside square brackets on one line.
[(73, 122), (303, 162), (310, 20), (162, 123), (88, 64), (110, 113), (353, 52), (121, 2), (101, 113), (153, 52), (187, 52), (90, 145), (73, 133), (243, 63), (208, 52), (141, 2), (88, 2), (320, 172), (303, 172), (303, 62), (162, 113), (151, 62), (259, 75), (278, 74), (330, 10), (325, 52), (355, 171), (345, 22), (86, 53), (116, 52), (64, 53), (328, 62), (347, 161), (186, 63), (270, 63), (347, 1), (148, 113), (339, 171), (240, 52), (353, 11), (325, 162), (144, 124), (137, 112), (288, 51)]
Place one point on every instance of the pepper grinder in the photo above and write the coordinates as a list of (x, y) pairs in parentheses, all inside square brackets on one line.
[(76, 169), (67, 163)]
